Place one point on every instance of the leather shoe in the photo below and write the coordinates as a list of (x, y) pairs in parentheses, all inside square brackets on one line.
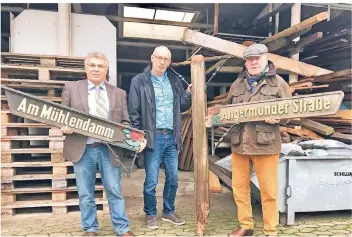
[(90, 234), (128, 233), (241, 232)]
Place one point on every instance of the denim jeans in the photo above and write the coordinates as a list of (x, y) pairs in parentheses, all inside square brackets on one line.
[(85, 171), (165, 152)]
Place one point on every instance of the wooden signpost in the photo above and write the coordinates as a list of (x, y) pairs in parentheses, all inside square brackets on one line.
[(57, 115), (295, 107)]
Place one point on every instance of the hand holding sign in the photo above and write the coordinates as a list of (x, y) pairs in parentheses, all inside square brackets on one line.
[(66, 130), (272, 121), (142, 145)]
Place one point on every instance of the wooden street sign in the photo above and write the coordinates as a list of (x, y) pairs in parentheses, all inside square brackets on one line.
[(295, 107), (57, 115)]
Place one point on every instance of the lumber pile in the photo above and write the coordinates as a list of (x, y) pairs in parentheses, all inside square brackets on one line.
[(35, 177)]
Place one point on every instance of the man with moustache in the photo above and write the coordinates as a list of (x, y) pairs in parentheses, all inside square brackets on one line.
[(257, 143), (97, 97), (155, 103)]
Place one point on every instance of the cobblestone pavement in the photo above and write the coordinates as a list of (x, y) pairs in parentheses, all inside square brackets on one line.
[(222, 219)]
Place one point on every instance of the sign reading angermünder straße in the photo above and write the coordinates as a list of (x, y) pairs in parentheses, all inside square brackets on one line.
[(295, 107), (57, 115)]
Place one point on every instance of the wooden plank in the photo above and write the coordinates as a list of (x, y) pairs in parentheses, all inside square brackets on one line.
[(216, 19), (346, 138), (206, 59), (298, 47), (214, 183), (317, 127), (300, 26), (34, 68), (329, 77), (200, 146), (237, 50), (214, 67)]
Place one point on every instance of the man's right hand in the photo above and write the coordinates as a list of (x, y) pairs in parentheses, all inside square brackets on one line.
[(66, 130)]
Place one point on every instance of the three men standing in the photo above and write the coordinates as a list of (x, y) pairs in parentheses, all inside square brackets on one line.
[(155, 103), (256, 142)]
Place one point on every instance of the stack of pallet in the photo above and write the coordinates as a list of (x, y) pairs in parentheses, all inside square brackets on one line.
[(35, 177)]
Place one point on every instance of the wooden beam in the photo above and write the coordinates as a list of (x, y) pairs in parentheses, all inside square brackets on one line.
[(214, 183), (298, 47), (278, 7), (331, 76), (317, 127), (207, 59), (236, 69), (295, 19), (200, 140), (212, 68), (151, 45), (300, 26), (237, 50), (346, 138), (216, 19)]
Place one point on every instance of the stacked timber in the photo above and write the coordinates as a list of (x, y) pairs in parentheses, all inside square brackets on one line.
[(35, 177)]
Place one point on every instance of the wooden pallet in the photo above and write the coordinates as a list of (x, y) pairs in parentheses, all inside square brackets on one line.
[(42, 60), (44, 183), (41, 73), (48, 211), (48, 206)]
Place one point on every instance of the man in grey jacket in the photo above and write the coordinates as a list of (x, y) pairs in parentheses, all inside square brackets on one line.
[(155, 102)]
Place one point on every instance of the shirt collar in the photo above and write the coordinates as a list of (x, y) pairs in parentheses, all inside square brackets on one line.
[(162, 76), (91, 85)]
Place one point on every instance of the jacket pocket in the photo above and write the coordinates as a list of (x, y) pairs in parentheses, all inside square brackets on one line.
[(268, 93), (265, 134), (116, 115), (236, 135), (237, 96)]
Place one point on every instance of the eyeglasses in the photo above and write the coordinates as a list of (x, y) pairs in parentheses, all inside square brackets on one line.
[(93, 66), (162, 58)]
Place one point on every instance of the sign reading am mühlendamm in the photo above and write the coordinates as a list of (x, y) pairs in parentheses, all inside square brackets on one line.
[(57, 115), (295, 107)]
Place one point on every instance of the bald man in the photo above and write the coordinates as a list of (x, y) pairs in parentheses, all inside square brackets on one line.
[(155, 103)]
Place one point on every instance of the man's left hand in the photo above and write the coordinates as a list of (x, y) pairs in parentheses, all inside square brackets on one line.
[(142, 145), (189, 88), (272, 121)]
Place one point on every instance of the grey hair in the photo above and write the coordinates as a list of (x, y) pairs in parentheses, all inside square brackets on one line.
[(96, 55)]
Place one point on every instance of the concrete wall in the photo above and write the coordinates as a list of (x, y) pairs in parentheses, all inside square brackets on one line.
[(35, 32)]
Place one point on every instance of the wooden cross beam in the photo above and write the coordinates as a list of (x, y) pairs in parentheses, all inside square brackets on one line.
[(237, 50)]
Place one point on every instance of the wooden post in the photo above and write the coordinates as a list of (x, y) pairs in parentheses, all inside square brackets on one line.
[(216, 19), (270, 18), (200, 146), (277, 20), (295, 19)]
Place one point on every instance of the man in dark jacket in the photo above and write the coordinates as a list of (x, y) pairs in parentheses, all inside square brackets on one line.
[(155, 103), (256, 142)]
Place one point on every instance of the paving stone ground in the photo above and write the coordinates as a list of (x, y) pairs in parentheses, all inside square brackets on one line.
[(222, 219)]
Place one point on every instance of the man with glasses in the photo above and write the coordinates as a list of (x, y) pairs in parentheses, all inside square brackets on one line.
[(155, 103), (96, 97)]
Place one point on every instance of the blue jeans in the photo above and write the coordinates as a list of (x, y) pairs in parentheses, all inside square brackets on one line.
[(165, 151), (85, 171)]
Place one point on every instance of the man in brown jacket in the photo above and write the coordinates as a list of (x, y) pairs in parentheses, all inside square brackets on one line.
[(256, 143), (96, 97)]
